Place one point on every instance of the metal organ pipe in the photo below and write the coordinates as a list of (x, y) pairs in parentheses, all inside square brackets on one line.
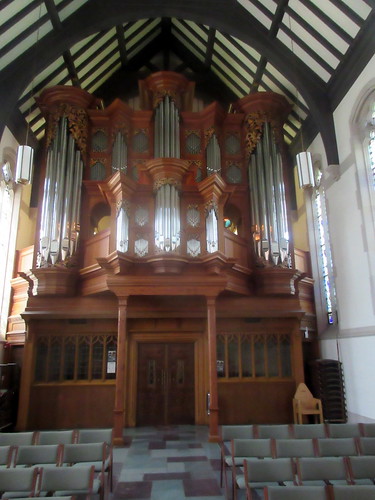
[(213, 156), (269, 212), (212, 239), (167, 130), (62, 195), (167, 218), (119, 154)]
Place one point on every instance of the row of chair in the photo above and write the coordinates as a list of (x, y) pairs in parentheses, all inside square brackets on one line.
[(331, 492), (241, 449), (56, 437), (305, 471), (51, 481), (48, 455), (280, 448), (297, 431)]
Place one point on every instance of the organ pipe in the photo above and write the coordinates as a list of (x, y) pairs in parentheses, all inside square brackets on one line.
[(167, 218), (119, 154), (213, 156), (212, 238), (122, 229), (62, 196), (167, 130), (268, 201)]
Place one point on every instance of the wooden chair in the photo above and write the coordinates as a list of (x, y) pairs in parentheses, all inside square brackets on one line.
[(304, 403)]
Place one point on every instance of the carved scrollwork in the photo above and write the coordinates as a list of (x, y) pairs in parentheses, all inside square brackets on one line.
[(208, 133), (160, 95), (166, 180), (209, 205), (77, 124), (123, 204), (254, 129)]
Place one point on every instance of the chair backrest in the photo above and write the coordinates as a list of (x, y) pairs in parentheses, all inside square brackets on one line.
[(79, 479), (277, 431), (353, 492), (20, 480), (343, 430), (362, 467), (294, 448), (367, 430), (321, 468), (247, 448), (336, 447), (295, 493), (95, 436), (229, 432), (275, 470), (306, 431), (39, 454), (17, 438), (366, 445), (304, 396), (56, 437), (85, 452), (6, 455)]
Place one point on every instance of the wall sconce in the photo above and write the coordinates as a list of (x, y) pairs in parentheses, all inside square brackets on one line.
[(24, 165), (305, 170)]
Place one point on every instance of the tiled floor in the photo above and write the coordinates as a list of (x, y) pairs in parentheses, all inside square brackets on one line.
[(167, 463)]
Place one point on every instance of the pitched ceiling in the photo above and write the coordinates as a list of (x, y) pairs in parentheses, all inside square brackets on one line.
[(308, 50)]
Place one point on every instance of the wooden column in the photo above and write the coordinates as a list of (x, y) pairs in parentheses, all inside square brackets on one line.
[(26, 380), (213, 434), (297, 353), (119, 411)]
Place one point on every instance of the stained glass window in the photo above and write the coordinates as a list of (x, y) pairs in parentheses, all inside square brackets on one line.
[(325, 261)]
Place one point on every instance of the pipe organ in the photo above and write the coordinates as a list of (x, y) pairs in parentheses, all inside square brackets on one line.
[(163, 224)]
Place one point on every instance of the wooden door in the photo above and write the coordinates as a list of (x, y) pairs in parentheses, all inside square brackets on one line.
[(165, 392)]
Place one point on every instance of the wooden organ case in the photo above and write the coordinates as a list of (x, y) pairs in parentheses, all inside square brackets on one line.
[(163, 268)]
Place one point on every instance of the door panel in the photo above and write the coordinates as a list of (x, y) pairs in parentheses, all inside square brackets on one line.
[(165, 392)]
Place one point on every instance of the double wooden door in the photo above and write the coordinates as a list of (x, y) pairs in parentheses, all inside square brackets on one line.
[(165, 393)]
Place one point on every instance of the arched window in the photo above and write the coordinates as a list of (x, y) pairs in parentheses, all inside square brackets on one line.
[(323, 247), (310, 179), (10, 198)]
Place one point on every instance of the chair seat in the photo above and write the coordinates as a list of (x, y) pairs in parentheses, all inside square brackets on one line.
[(64, 493)]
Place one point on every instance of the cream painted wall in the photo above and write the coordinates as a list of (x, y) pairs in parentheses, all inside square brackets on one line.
[(353, 250), (27, 221), (299, 222)]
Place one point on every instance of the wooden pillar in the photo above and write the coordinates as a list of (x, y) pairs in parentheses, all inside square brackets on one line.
[(119, 411), (26, 380), (297, 353), (213, 434)]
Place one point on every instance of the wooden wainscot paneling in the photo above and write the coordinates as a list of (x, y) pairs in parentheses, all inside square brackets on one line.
[(67, 406), (236, 247), (97, 246), (265, 402), (302, 261)]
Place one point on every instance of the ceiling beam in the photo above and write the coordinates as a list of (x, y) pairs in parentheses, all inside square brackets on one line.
[(166, 26), (210, 47), (121, 44), (228, 16), (67, 56), (357, 57)]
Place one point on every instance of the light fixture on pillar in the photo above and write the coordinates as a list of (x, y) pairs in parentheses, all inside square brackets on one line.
[(24, 165), (305, 169)]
